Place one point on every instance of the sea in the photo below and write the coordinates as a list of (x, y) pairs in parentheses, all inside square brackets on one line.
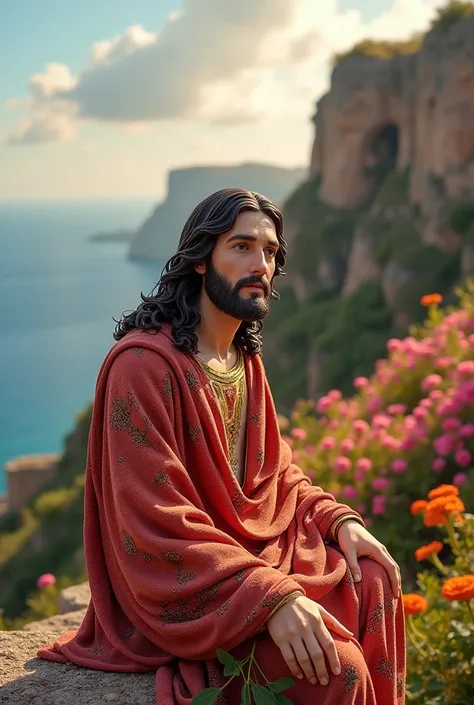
[(59, 294)]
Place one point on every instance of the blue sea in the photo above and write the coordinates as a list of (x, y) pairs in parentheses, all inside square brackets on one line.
[(59, 294)]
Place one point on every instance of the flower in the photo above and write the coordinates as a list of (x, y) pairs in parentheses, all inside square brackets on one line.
[(380, 483), (350, 492), (45, 580), (360, 426), (460, 478), (431, 299), (449, 504), (418, 506), (438, 464), (414, 604), (466, 367), (399, 465), (463, 458), (342, 464), (328, 443), (364, 464), (378, 504), (424, 552), (443, 491), (361, 382), (347, 445), (299, 433), (431, 382), (459, 588), (395, 409)]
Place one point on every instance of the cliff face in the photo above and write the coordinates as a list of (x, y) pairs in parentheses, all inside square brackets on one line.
[(419, 106), (158, 236), (386, 215)]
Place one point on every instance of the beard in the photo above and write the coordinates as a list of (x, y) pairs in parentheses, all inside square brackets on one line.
[(227, 299)]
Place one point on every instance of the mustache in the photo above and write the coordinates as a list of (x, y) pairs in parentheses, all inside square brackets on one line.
[(255, 279)]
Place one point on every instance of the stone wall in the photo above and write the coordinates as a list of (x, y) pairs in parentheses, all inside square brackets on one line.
[(26, 474)]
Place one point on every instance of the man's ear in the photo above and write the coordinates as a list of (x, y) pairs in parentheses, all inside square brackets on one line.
[(200, 268)]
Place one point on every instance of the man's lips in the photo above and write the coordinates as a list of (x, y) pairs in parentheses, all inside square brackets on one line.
[(254, 286)]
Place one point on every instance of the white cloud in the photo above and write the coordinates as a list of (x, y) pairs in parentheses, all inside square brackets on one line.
[(213, 62)]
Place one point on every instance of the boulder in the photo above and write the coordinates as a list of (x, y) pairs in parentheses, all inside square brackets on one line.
[(74, 598)]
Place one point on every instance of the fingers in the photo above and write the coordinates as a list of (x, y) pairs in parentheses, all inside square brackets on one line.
[(334, 624), (393, 571)]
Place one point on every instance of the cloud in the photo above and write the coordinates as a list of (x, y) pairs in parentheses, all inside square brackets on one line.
[(214, 62)]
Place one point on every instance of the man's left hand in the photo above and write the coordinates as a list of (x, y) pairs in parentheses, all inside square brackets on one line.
[(355, 541)]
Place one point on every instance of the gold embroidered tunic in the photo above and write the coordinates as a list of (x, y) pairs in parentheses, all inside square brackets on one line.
[(230, 389)]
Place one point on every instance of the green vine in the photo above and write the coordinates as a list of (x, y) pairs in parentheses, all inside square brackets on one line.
[(269, 694)]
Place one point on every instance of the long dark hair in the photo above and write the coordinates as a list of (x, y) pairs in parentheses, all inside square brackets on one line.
[(177, 291)]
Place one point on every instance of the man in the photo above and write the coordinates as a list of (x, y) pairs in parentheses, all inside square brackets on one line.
[(200, 533)]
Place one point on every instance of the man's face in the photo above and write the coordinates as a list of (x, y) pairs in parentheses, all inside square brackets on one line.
[(238, 278)]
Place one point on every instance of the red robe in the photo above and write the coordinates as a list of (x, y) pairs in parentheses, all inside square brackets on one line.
[(182, 560)]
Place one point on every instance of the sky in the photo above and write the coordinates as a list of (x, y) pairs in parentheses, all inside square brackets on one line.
[(100, 99)]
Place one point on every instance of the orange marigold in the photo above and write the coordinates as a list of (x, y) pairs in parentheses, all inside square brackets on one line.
[(424, 552), (431, 299), (449, 504), (418, 506), (414, 604), (434, 519), (443, 491), (459, 588)]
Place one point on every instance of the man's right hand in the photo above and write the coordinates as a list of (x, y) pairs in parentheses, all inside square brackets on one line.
[(300, 629)]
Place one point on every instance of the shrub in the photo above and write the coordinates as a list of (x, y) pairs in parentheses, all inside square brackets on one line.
[(408, 427), (381, 49), (440, 621), (452, 13), (461, 217)]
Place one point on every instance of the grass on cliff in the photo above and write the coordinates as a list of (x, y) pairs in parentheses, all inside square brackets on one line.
[(381, 49), (455, 11)]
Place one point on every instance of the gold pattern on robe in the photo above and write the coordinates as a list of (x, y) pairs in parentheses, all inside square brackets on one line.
[(230, 389)]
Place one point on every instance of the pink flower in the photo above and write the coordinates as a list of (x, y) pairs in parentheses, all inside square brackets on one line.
[(399, 465), (334, 394), (347, 445), (374, 404), (466, 367), (333, 424), (436, 394), (438, 464), (342, 464), (467, 431), (360, 426), (460, 478), (451, 424), (394, 344), (324, 404), (350, 492), (391, 442), (361, 382), (364, 464), (381, 421), (310, 449), (463, 458), (420, 413), (328, 443), (45, 580), (299, 433), (443, 445), (431, 382), (378, 504), (396, 409), (442, 363), (380, 483), (426, 403)]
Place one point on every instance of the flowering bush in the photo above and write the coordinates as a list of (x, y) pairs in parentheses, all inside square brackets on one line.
[(407, 428), (440, 623)]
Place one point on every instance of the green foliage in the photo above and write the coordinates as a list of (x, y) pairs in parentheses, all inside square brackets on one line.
[(441, 639), (451, 13), (381, 49), (45, 536), (461, 217)]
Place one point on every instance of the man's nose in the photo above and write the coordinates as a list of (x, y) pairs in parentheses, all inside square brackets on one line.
[(259, 263)]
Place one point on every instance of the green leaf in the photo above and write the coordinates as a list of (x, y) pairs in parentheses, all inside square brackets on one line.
[(282, 700), (262, 695), (281, 684), (246, 694), (206, 697), (232, 668), (224, 657)]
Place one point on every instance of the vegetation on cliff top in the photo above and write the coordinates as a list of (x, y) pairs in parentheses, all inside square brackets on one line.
[(445, 18)]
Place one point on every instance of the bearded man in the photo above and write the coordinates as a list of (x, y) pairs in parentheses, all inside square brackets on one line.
[(200, 532)]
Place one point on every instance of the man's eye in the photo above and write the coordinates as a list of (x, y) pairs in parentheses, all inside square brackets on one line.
[(242, 245), (271, 252)]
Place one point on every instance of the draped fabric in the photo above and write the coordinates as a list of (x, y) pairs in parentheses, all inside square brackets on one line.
[(181, 559)]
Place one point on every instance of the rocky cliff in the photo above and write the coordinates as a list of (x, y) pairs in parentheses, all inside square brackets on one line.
[(158, 236), (388, 211)]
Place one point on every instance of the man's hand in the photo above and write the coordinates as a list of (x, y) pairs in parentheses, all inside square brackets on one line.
[(300, 630), (355, 541)]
